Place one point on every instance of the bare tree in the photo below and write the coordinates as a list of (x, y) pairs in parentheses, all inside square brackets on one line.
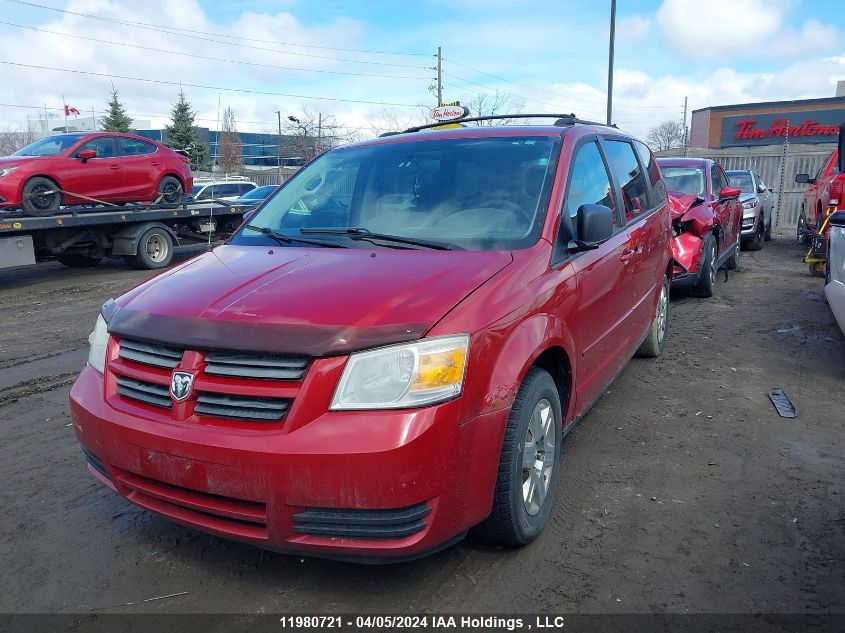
[(666, 135), (229, 148), (393, 120), (311, 133), (13, 138), (498, 103)]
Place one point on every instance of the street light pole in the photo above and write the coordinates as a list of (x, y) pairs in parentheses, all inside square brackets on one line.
[(610, 62), (279, 145)]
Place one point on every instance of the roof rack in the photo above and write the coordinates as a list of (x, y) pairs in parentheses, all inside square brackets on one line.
[(563, 120), (201, 179)]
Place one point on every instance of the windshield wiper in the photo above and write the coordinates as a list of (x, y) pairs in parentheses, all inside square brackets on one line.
[(281, 238), (360, 233)]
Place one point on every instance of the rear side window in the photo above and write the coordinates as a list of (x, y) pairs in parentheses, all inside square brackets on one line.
[(136, 147), (588, 184), (244, 187), (658, 187), (227, 190), (630, 176)]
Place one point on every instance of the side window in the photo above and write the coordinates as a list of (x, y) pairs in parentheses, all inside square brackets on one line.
[(136, 147), (104, 146), (245, 187), (225, 191), (715, 185), (630, 176), (658, 187), (588, 184), (759, 180), (206, 193)]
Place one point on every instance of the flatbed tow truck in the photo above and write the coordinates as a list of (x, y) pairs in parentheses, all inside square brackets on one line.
[(145, 235)]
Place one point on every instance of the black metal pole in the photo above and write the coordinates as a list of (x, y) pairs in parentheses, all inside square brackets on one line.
[(610, 62)]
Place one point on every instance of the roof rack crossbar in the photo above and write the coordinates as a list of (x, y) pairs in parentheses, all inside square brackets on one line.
[(562, 120)]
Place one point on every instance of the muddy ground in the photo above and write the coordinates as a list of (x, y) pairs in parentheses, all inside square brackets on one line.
[(681, 491)]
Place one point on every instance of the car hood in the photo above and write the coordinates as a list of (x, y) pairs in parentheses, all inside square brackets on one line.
[(747, 197), (314, 302), (11, 161), (680, 203)]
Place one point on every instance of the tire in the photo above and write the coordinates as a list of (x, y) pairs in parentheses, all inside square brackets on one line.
[(756, 242), (516, 520), (76, 260), (155, 250), (732, 262), (817, 269), (170, 190), (707, 274), (40, 206), (804, 237), (769, 229), (655, 341)]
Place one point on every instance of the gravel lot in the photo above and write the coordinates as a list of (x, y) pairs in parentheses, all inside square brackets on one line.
[(682, 490)]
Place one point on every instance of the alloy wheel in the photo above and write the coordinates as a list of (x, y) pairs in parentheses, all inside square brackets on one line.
[(662, 311), (538, 457)]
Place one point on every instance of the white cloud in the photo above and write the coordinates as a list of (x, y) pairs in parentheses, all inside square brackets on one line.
[(735, 29)]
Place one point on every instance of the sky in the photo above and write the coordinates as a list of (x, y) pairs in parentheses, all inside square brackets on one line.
[(370, 65)]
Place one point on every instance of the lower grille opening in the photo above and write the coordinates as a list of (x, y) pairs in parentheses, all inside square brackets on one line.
[(148, 392), (210, 511), (242, 407), (95, 462), (371, 524)]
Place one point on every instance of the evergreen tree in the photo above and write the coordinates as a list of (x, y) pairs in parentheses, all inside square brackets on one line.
[(183, 134), (229, 148), (116, 120)]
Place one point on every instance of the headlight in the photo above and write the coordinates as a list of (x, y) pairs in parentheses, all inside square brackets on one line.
[(750, 204), (5, 171), (98, 340), (401, 376)]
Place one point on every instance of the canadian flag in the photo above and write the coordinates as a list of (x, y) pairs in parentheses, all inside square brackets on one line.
[(70, 110)]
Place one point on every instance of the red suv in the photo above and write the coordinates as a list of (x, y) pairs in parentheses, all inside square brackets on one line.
[(83, 168), (825, 195), (392, 349), (706, 222)]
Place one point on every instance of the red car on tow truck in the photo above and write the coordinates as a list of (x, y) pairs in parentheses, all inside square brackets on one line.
[(706, 222), (390, 351), (825, 194)]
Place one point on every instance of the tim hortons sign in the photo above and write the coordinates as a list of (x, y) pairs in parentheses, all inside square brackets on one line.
[(814, 126)]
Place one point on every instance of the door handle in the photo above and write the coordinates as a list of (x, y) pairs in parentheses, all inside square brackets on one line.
[(626, 256), (114, 167)]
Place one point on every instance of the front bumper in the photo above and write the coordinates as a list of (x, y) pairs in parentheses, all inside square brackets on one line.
[(749, 224), (271, 488), (686, 253)]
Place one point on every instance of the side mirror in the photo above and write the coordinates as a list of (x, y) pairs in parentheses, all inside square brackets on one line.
[(761, 189), (803, 179), (86, 155), (729, 193), (595, 225)]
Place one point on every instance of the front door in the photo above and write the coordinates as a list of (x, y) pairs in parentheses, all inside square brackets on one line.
[(728, 212), (100, 178)]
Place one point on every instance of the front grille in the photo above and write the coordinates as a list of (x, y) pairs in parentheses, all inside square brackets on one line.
[(150, 353), (260, 366), (96, 462), (148, 392), (369, 524), (228, 515), (242, 407)]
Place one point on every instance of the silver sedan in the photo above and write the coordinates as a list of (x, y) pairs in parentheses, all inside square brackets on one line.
[(757, 207)]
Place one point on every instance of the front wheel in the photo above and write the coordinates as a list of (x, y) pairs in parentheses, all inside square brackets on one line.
[(155, 250), (732, 262), (529, 463), (769, 229), (756, 242), (655, 341), (40, 197), (707, 276), (817, 269), (803, 234)]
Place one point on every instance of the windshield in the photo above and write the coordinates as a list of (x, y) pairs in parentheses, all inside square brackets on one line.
[(479, 193), (259, 193), (684, 179), (741, 179), (49, 145)]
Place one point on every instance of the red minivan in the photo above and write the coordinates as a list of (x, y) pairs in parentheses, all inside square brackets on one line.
[(391, 350)]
